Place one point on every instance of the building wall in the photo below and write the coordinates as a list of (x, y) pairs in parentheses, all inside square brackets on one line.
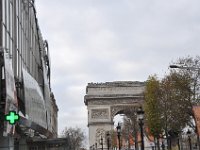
[(22, 40), (54, 121), (22, 37)]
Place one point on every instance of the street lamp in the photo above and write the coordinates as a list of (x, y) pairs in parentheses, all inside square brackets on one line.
[(118, 134), (93, 147), (189, 139), (174, 66), (185, 67), (163, 145), (108, 139), (96, 146), (101, 142), (140, 118)]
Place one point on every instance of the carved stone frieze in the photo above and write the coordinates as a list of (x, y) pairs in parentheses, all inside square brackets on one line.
[(100, 114), (106, 101), (100, 133)]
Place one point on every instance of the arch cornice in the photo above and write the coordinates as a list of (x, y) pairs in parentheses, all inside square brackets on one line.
[(110, 99)]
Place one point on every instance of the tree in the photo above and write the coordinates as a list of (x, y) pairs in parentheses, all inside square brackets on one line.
[(169, 102), (191, 68), (131, 124), (129, 130), (167, 105), (113, 135), (151, 107), (75, 136), (175, 104)]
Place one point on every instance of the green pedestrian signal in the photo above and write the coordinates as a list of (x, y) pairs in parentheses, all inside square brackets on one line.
[(12, 117)]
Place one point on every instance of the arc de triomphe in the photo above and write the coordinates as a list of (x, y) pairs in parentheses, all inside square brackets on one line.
[(104, 101)]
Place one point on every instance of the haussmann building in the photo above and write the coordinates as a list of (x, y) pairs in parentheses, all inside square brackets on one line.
[(25, 81)]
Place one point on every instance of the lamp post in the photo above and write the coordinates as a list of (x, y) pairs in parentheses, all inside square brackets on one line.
[(119, 134), (108, 140), (101, 142), (140, 118), (189, 139), (163, 145), (96, 146), (93, 147)]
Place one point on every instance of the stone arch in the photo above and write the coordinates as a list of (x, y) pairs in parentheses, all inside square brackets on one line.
[(105, 100)]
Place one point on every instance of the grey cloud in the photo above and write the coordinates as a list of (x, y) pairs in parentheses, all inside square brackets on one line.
[(101, 40)]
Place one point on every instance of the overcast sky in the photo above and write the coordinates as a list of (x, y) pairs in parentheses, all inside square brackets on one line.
[(112, 40)]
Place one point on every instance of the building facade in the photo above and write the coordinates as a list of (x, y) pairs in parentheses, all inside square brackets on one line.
[(25, 74)]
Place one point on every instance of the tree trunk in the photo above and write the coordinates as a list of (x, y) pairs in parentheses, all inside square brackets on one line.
[(155, 145), (158, 143), (136, 138), (169, 146), (170, 143), (197, 133), (178, 142), (198, 142)]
